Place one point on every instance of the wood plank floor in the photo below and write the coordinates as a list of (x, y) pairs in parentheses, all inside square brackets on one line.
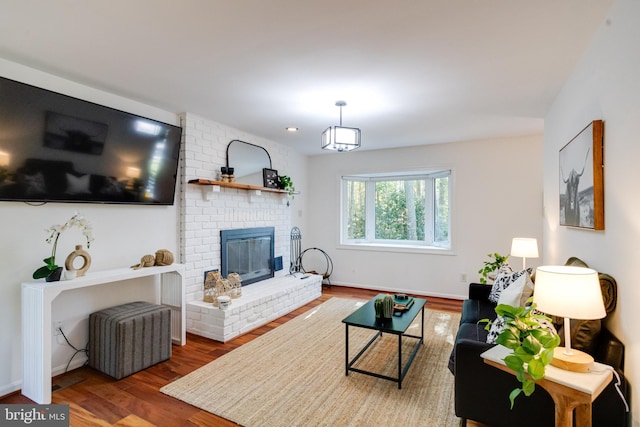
[(98, 400)]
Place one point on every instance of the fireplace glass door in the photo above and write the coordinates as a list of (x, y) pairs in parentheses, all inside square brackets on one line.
[(248, 252)]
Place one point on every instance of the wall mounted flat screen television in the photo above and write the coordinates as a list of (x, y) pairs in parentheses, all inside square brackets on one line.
[(56, 148)]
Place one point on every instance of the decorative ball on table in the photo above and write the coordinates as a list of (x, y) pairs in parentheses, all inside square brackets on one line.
[(164, 257), (146, 261)]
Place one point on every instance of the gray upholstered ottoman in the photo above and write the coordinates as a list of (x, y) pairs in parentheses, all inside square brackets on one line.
[(129, 338)]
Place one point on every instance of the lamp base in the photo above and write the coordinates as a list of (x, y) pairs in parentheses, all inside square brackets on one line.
[(577, 361)]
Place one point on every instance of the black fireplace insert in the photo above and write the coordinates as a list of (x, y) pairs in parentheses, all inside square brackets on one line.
[(248, 252)]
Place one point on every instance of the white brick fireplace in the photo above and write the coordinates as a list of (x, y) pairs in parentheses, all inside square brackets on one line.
[(204, 213)]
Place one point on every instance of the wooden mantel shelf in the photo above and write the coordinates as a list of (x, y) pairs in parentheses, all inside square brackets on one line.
[(236, 185)]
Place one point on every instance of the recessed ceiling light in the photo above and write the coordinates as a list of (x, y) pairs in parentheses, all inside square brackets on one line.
[(291, 129)]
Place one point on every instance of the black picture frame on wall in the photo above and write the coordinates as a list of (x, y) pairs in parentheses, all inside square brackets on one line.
[(270, 178), (581, 179)]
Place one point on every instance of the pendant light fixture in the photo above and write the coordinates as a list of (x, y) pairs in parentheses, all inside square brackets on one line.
[(340, 138)]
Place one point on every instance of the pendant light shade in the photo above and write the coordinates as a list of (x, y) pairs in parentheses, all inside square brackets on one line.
[(340, 138)]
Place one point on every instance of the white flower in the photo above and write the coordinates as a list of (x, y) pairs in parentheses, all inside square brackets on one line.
[(76, 220)]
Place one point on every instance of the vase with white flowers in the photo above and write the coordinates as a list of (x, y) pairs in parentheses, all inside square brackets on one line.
[(54, 232)]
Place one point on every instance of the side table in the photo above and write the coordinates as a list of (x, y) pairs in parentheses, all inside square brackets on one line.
[(569, 390)]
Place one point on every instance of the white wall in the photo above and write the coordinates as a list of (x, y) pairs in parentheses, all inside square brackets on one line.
[(604, 86), (497, 195), (123, 233)]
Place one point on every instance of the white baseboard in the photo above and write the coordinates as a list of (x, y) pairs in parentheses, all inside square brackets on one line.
[(10, 388), (17, 385), (78, 362), (401, 290)]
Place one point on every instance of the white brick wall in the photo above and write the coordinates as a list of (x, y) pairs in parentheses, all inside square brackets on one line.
[(204, 215)]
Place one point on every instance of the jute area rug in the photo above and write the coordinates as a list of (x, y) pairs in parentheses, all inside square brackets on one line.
[(294, 375)]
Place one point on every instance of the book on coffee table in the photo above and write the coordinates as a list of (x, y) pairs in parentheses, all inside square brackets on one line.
[(402, 304)]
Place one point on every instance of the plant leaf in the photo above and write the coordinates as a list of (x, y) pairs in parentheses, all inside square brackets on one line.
[(528, 387), (42, 272), (550, 341), (514, 362), (508, 339), (512, 396), (536, 369), (506, 310), (488, 323), (522, 354), (531, 345), (547, 356)]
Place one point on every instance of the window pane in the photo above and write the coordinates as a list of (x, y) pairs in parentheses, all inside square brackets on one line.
[(356, 214), (399, 210), (441, 231)]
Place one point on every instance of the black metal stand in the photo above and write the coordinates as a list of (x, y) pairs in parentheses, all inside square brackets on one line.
[(296, 248)]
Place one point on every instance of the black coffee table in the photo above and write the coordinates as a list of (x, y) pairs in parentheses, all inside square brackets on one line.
[(365, 317)]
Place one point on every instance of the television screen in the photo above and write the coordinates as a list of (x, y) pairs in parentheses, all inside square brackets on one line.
[(58, 148)]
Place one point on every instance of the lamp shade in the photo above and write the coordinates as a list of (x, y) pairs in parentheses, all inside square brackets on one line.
[(133, 172), (340, 138), (570, 292), (4, 158), (524, 247)]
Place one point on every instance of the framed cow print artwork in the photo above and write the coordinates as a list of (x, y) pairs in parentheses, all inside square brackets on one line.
[(581, 179)]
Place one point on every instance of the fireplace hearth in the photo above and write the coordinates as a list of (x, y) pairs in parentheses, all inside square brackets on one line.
[(248, 252)]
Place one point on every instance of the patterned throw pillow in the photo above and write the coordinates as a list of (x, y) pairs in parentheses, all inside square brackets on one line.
[(547, 324), (503, 272), (506, 276), (496, 327)]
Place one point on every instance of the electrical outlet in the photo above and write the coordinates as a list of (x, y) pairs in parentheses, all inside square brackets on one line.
[(57, 327), (463, 277)]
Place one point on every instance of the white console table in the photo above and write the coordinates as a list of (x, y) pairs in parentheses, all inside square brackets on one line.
[(37, 327)]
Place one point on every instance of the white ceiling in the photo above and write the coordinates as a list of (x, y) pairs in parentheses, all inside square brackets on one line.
[(412, 71)]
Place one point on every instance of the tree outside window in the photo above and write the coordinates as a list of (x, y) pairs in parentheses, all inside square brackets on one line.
[(397, 209)]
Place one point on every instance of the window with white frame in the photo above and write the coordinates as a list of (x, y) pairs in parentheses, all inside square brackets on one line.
[(401, 209)]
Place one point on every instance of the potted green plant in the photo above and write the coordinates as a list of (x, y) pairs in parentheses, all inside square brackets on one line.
[(54, 232), (495, 262), (286, 184), (532, 341)]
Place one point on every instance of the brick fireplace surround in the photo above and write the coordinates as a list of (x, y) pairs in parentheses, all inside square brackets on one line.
[(205, 212), (260, 303)]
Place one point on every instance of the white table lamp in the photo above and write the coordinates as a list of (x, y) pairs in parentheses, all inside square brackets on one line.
[(572, 293), (524, 247)]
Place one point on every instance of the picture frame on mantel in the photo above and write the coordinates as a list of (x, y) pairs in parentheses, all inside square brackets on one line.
[(270, 178), (582, 179)]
